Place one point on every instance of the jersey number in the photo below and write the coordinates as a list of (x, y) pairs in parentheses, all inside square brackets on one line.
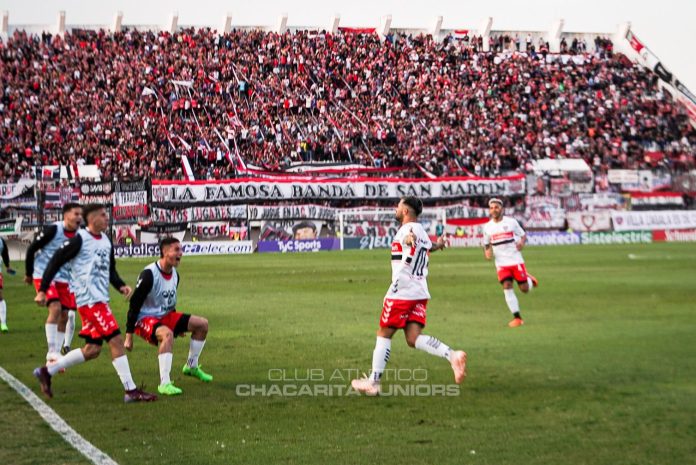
[(420, 263)]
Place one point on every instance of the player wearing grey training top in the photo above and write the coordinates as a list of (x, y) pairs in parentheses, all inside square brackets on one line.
[(91, 257), (153, 316)]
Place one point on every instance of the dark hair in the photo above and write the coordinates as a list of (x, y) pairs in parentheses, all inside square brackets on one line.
[(414, 203), (70, 205), (166, 242), (304, 224), (90, 208)]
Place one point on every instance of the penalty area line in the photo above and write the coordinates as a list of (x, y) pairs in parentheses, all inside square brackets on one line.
[(54, 420)]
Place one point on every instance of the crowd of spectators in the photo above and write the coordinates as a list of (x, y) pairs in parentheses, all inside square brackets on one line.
[(135, 102)]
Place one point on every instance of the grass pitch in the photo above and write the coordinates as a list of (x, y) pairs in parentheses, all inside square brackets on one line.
[(603, 372)]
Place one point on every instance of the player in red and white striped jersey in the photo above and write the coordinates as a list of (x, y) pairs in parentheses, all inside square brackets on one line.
[(504, 238), (406, 302)]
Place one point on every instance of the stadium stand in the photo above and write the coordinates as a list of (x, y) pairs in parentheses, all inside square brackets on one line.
[(133, 102)]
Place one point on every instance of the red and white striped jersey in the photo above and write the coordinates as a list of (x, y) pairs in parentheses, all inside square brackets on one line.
[(410, 264), (503, 236)]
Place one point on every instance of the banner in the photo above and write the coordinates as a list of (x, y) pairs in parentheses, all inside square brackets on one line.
[(560, 187), (371, 228), (591, 202), (56, 197), (245, 189), (543, 212), (599, 220), (623, 176), (367, 242), (96, 192), (671, 235), (640, 180), (189, 248), (283, 230), (624, 237), (316, 245), (155, 238), (131, 199), (665, 219), (552, 238), (465, 211), (210, 230), (163, 228), (641, 200), (11, 226), (313, 212), (18, 194), (154, 233), (186, 215)]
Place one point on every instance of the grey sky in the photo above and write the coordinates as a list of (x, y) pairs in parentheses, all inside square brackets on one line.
[(667, 27)]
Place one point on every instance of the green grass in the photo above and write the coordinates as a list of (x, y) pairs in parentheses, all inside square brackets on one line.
[(603, 372)]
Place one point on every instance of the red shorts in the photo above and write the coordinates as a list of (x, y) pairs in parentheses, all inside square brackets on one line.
[(98, 323), (1, 282), (396, 313), (517, 272), (147, 326), (60, 292)]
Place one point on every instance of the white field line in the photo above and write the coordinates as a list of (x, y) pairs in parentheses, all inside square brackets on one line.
[(59, 425)]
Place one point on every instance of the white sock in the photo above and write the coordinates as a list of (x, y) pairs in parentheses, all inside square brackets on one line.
[(433, 346), (380, 357), (530, 283), (123, 370), (3, 312), (69, 328), (72, 358), (165, 366), (195, 348), (511, 300), (51, 336), (60, 337)]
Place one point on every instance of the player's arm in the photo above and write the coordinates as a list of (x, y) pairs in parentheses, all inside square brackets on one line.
[(6, 255), (441, 244), (114, 278), (517, 229), (142, 289), (39, 242), (487, 249), (63, 255)]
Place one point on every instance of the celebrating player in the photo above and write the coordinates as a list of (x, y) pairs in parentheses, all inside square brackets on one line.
[(153, 316), (407, 298), (91, 258), (60, 301), (504, 237), (3, 305)]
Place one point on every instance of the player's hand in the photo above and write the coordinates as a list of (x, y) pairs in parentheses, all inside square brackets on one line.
[(40, 298), (488, 254), (520, 245), (128, 342), (442, 242), (126, 291), (28, 279)]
